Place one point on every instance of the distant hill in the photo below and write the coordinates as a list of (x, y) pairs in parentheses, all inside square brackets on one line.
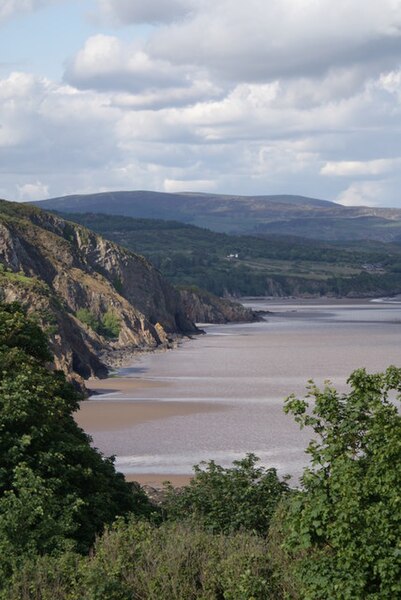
[(255, 215), (227, 264)]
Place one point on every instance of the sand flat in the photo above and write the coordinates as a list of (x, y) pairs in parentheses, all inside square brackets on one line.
[(103, 415), (123, 385)]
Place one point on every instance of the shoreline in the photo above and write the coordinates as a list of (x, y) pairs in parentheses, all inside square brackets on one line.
[(156, 480), (112, 407)]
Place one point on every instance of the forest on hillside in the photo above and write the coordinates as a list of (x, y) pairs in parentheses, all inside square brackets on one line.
[(243, 265)]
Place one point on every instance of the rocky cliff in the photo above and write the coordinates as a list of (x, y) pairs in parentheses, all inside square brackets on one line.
[(78, 283), (204, 307)]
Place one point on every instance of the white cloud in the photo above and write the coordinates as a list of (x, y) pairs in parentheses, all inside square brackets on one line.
[(33, 191), (299, 96), (124, 12), (106, 64), (11, 8), (259, 40), (196, 185), (363, 193), (352, 168)]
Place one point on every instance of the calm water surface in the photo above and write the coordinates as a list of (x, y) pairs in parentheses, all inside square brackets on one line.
[(249, 369)]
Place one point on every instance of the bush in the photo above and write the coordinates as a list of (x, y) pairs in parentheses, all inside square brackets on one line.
[(226, 500), (137, 560), (343, 529), (89, 319), (109, 326)]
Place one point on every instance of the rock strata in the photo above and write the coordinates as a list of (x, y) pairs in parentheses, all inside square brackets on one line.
[(58, 269), (204, 307)]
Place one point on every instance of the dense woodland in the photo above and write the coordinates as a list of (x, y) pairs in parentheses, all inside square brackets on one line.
[(71, 528), (244, 265)]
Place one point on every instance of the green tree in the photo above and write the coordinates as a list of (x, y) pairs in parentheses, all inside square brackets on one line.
[(244, 496), (110, 326), (344, 527), (55, 489)]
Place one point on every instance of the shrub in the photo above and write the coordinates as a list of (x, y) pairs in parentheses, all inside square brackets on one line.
[(137, 560), (226, 500), (343, 528)]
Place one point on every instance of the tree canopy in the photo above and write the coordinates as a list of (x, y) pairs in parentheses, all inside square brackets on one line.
[(344, 525), (56, 491)]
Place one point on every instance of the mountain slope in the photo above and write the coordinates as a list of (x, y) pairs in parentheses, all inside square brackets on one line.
[(93, 296), (283, 214), (254, 266)]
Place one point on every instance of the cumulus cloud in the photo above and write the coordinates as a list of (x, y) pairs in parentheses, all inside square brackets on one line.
[(11, 8), (353, 168), (260, 40), (300, 96), (33, 191), (125, 12), (105, 63), (197, 185), (363, 193)]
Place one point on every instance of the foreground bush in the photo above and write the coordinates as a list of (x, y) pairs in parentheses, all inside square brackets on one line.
[(139, 561), (243, 497), (343, 529), (56, 491)]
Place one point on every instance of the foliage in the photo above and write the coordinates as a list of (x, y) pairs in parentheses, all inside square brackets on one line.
[(16, 331), (137, 560), (108, 325), (344, 527), (88, 318), (56, 491), (267, 264), (243, 497)]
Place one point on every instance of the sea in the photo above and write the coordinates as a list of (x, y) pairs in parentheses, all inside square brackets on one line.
[(247, 371)]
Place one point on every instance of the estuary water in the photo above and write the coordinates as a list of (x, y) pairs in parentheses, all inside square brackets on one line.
[(245, 371)]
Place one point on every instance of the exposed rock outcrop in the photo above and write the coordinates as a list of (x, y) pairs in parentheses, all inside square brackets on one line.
[(204, 307), (57, 268)]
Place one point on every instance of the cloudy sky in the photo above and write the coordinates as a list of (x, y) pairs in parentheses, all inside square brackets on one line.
[(231, 96)]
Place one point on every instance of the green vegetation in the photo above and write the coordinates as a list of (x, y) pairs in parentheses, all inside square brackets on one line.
[(243, 497), (248, 265), (56, 492), (136, 560), (236, 533), (255, 215), (343, 529), (108, 326)]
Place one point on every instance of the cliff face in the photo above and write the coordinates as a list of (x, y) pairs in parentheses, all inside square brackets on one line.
[(203, 307), (57, 269)]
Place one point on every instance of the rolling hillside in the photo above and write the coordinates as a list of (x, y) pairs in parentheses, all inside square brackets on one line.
[(256, 215), (246, 265)]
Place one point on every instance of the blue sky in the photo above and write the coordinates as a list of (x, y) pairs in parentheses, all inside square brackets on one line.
[(285, 96)]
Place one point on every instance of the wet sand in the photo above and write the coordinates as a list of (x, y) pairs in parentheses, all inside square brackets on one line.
[(118, 384), (100, 415)]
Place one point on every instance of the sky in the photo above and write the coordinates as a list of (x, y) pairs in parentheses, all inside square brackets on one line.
[(226, 96)]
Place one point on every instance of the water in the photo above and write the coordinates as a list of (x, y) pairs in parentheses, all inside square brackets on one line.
[(248, 370)]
